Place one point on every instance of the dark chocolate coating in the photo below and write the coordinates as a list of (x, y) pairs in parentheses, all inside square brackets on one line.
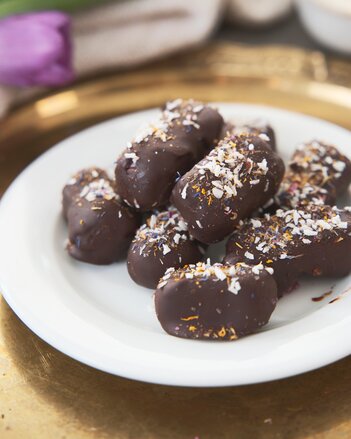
[(161, 243), (245, 164), (204, 308), (147, 171), (256, 128), (286, 243), (297, 191), (100, 227), (325, 165), (318, 173), (76, 184)]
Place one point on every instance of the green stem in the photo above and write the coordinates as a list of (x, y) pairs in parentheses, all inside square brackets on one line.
[(10, 7)]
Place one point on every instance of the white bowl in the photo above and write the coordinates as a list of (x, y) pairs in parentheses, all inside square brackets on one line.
[(328, 22)]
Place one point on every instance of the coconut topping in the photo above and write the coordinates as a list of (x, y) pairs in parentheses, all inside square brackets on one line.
[(230, 163), (280, 234), (203, 271), (98, 190), (322, 161), (85, 176), (163, 231), (296, 191), (314, 172)]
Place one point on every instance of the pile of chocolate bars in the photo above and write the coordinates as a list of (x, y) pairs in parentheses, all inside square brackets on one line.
[(190, 179)]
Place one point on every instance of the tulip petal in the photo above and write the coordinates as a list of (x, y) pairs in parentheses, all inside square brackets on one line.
[(28, 48), (54, 19), (35, 49), (56, 74)]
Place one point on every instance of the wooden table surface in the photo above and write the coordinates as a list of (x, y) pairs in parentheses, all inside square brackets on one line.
[(44, 393)]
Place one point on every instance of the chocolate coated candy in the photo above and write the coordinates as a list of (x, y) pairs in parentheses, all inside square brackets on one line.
[(296, 191), (147, 171), (218, 302), (76, 184), (161, 243), (238, 176), (317, 174), (315, 240), (258, 128), (100, 227)]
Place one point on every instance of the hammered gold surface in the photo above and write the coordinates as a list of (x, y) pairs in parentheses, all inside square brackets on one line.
[(45, 394)]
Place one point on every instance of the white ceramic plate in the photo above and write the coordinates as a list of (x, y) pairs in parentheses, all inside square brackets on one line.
[(97, 315)]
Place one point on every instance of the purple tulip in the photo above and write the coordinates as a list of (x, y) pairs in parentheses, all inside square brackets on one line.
[(35, 49)]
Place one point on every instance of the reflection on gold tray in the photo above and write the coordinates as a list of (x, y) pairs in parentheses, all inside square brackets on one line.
[(45, 394)]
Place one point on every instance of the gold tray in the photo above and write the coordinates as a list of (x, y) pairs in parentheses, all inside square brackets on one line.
[(45, 394)]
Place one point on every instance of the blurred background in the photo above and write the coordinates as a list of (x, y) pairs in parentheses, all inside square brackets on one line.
[(46, 44)]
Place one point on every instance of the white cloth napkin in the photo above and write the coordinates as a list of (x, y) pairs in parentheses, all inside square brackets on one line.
[(130, 33)]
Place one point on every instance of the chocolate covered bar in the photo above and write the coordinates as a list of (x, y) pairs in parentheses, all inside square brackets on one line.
[(315, 240), (215, 302), (149, 168), (100, 227), (317, 173), (238, 176), (161, 243)]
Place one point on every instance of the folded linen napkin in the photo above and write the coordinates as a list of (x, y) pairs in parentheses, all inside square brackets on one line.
[(130, 33)]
